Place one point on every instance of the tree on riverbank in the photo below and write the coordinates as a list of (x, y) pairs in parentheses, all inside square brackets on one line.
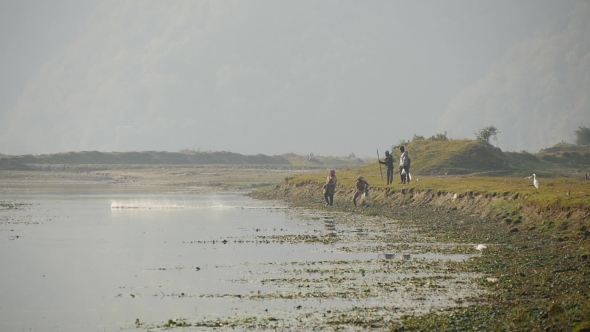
[(582, 135), (485, 133)]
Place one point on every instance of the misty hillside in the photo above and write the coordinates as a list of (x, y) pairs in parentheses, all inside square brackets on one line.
[(455, 157), (261, 76), (537, 94), (459, 157)]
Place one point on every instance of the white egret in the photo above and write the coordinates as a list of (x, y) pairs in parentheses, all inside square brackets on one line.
[(535, 181), (480, 247)]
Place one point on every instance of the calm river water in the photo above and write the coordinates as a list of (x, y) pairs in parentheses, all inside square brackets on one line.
[(102, 259)]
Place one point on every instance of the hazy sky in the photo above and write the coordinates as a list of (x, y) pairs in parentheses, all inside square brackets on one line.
[(31, 33), (327, 77)]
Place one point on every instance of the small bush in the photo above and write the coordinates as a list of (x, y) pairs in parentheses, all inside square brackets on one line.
[(439, 137), (417, 138)]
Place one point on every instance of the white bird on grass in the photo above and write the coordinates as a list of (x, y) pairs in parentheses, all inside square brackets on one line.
[(535, 181), (480, 247)]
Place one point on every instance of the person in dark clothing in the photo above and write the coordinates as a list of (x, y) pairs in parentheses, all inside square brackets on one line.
[(388, 161), (404, 165), (330, 188)]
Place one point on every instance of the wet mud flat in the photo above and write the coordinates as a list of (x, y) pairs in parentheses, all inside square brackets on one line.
[(353, 276), (160, 259)]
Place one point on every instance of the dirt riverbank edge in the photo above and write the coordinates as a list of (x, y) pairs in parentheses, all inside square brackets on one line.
[(539, 261)]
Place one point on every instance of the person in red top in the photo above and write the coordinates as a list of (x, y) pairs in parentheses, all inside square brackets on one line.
[(362, 186)]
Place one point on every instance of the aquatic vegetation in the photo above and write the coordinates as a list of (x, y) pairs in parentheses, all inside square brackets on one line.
[(355, 293), (13, 205)]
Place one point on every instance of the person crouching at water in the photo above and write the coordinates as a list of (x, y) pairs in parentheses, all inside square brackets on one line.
[(330, 188), (361, 187)]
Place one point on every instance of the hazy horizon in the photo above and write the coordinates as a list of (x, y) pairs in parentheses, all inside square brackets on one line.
[(270, 77)]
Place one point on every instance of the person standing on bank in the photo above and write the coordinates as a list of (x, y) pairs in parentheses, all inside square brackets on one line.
[(388, 161), (330, 188), (362, 186), (404, 165)]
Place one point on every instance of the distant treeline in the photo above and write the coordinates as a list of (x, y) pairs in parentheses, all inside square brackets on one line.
[(429, 157), (142, 158)]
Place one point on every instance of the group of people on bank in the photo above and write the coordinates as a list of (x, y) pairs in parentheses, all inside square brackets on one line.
[(362, 186), (404, 166)]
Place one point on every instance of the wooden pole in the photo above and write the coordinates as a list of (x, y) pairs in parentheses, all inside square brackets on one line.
[(380, 171)]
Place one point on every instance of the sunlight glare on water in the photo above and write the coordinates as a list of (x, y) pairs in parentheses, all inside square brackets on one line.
[(164, 203), (146, 204)]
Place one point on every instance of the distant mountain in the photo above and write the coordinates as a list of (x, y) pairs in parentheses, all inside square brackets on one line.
[(141, 158), (537, 94)]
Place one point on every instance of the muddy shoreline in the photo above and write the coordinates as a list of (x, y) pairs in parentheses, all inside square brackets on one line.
[(524, 279), (537, 274)]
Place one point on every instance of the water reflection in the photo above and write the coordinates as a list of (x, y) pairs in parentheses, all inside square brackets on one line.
[(97, 259)]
